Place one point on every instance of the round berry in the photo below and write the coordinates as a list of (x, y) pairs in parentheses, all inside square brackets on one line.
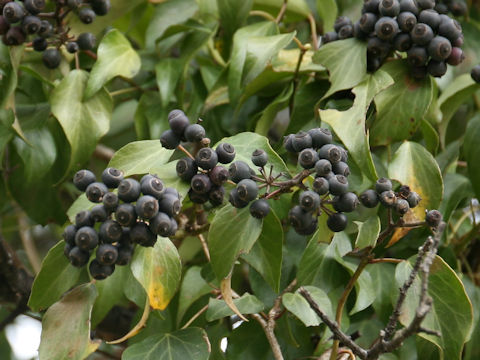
[(99, 213), (347, 202), (449, 28), (331, 152), (146, 207), (475, 73), (73, 4), (78, 257), (421, 34), (323, 167), (320, 137), (386, 28), (288, 143), (426, 4), (259, 158), (197, 198), (125, 254), (437, 68), (310, 229), (83, 218), (413, 199), (402, 42), (358, 33), (186, 168), (430, 17), (111, 177), (161, 225), (389, 8), (99, 271), (406, 21), (369, 198), (216, 195), (169, 140), (371, 6), (100, 7), (307, 158), (72, 47), (152, 185), (341, 168), (387, 198), (69, 234), (320, 185), (456, 57), (86, 41), (34, 6), (83, 178), (206, 158), (107, 254), (338, 185), (401, 206), (129, 190), (66, 249), (178, 122), (299, 218), (340, 22), (86, 15), (345, 32), (410, 6), (169, 204), (309, 200), (377, 47), (31, 24), (13, 12), (201, 184), (126, 215), (218, 175), (383, 184), (417, 56), (337, 222), (194, 133), (51, 58), (367, 22), (439, 48), (110, 231), (247, 190), (141, 234), (301, 140), (46, 29), (259, 208), (86, 238), (329, 37), (433, 218), (95, 191), (235, 200), (39, 44), (110, 201), (225, 153), (238, 171)]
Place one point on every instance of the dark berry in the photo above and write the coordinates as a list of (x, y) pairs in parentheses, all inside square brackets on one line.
[(197, 198), (83, 218), (345, 32), (299, 218), (83, 178), (369, 198), (141, 234), (437, 68), (172, 191), (320, 185), (340, 22), (152, 185), (99, 271), (169, 204), (186, 168), (358, 33), (401, 206), (413, 199), (417, 56), (329, 37), (377, 47), (441, 8), (126, 215), (450, 29), (146, 207), (247, 190), (69, 234), (421, 34), (341, 168), (383, 184), (458, 8), (34, 6), (320, 137), (129, 190), (386, 28), (100, 7), (307, 158), (475, 73), (13, 12), (402, 42), (78, 257), (86, 238), (161, 225), (235, 200), (124, 255), (169, 140), (458, 42), (110, 201), (95, 191), (338, 185), (86, 41), (310, 229), (73, 4), (347, 202), (288, 143), (238, 171), (367, 22), (218, 175), (4, 26), (426, 4), (259, 158), (66, 249), (337, 222), (110, 231), (201, 184), (323, 167), (86, 15), (225, 153), (111, 177), (31, 24), (456, 57), (99, 213), (259, 208), (373, 63), (39, 44), (46, 29), (410, 6), (371, 6), (419, 72), (51, 58), (429, 17), (206, 158), (309, 200), (301, 140), (216, 195), (387, 198), (330, 152), (178, 122), (14, 36), (406, 21), (194, 133), (389, 8), (439, 48), (433, 218), (107, 254)]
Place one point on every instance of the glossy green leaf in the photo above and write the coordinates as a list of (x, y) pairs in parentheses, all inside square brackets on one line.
[(190, 343), (168, 72), (140, 157), (7, 118), (84, 122), (382, 276), (298, 306), (9, 63), (56, 276), (414, 166), (116, 57), (449, 297), (368, 232), (296, 9), (233, 14), (193, 288), (456, 189), (472, 152), (158, 269), (327, 10), (69, 320), (350, 125), (246, 304), (232, 232), (268, 115), (150, 116), (168, 174), (266, 254), (454, 95), (401, 107), (346, 63)]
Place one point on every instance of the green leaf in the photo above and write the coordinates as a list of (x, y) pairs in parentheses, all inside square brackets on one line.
[(150, 117), (168, 73), (401, 107), (7, 118), (414, 166), (456, 189), (268, 115), (454, 95), (141, 157), (327, 10), (368, 232), (451, 313), (190, 343), (246, 304), (158, 269), (116, 57), (472, 152), (382, 275), (56, 276), (298, 306), (266, 254), (84, 122), (233, 14), (232, 232), (245, 143), (193, 288), (9, 62), (81, 203), (66, 326), (350, 125), (346, 62), (296, 9)]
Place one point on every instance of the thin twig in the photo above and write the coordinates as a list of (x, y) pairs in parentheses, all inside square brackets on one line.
[(194, 317), (313, 30), (204, 246), (261, 13), (185, 151), (103, 152), (282, 12)]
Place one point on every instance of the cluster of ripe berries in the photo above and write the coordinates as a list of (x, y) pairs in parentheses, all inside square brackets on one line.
[(20, 19), (328, 162), (135, 214), (430, 39)]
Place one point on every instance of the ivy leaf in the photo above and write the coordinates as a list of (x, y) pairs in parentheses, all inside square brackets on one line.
[(270, 112), (190, 343), (116, 57), (346, 61), (56, 276), (298, 306), (232, 232), (246, 304), (296, 9), (472, 152), (84, 122), (327, 10), (233, 14), (266, 254), (69, 320), (158, 269), (401, 107), (368, 232), (168, 72), (456, 189), (140, 157), (449, 297), (350, 125)]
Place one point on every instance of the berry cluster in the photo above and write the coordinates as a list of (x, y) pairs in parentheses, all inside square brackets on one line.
[(135, 214), (328, 161), (181, 130), (20, 19), (456, 7), (430, 39)]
